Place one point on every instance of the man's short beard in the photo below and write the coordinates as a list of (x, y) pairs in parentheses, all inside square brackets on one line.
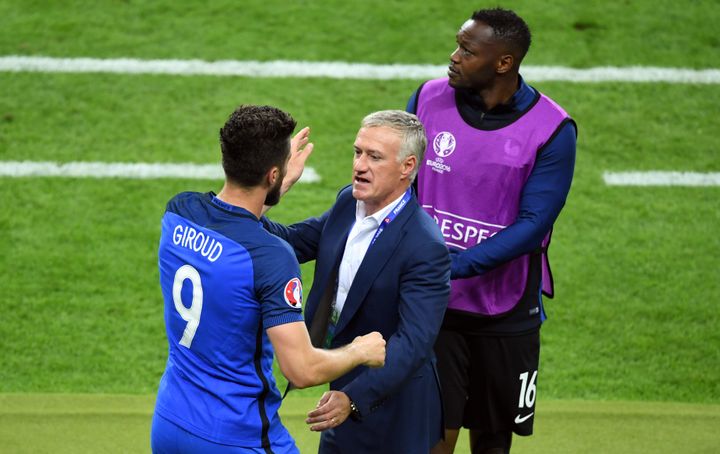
[(273, 196)]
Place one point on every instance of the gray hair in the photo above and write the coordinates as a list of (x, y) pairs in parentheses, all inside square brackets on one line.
[(410, 129)]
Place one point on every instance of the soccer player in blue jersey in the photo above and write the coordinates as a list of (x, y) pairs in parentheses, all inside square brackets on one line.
[(233, 296)]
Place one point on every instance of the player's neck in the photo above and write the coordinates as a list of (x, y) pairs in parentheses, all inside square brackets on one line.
[(499, 92), (251, 199)]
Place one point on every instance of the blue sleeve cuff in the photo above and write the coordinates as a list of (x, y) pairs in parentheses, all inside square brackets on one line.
[(281, 319)]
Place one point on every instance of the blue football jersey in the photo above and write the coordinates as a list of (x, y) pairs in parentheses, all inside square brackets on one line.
[(224, 280)]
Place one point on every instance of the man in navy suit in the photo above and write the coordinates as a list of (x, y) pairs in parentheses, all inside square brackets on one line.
[(381, 265)]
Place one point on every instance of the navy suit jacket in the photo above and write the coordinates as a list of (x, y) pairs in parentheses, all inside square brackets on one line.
[(401, 290)]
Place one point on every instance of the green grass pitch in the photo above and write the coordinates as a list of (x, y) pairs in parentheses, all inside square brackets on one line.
[(631, 351), (90, 423)]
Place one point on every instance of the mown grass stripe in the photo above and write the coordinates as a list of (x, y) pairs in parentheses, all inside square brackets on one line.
[(293, 405), (124, 170), (661, 178), (342, 70)]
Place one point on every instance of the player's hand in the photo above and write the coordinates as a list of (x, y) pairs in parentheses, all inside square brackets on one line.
[(372, 349), (331, 411), (300, 150)]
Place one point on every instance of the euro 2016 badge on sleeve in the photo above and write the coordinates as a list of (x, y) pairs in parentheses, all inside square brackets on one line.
[(293, 293)]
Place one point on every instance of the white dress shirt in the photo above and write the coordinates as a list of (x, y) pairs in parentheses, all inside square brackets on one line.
[(356, 246)]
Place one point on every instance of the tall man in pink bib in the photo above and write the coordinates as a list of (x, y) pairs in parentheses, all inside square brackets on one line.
[(496, 173)]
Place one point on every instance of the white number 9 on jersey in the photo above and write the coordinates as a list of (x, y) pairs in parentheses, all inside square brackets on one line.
[(190, 314)]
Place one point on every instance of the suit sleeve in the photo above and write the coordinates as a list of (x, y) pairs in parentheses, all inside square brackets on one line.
[(424, 293), (303, 237)]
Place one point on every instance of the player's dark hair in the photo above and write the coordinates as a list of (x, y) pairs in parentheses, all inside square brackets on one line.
[(507, 27), (253, 140)]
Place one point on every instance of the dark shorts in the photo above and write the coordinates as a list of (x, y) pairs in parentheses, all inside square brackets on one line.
[(488, 382)]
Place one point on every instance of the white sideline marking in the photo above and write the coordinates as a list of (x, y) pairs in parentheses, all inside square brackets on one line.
[(657, 178), (124, 170), (342, 70), (625, 74)]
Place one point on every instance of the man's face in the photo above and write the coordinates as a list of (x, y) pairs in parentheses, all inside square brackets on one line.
[(378, 177), (473, 63)]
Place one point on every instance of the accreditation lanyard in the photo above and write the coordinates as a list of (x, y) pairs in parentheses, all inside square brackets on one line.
[(393, 214)]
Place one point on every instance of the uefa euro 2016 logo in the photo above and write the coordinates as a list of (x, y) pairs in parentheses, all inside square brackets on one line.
[(444, 144), (293, 293)]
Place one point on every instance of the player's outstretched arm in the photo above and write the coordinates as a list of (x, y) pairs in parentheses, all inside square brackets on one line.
[(304, 365)]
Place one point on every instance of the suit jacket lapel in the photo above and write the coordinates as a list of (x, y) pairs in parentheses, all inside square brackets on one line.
[(323, 287), (377, 255)]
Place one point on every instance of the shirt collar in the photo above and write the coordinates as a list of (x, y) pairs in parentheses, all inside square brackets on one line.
[(379, 214)]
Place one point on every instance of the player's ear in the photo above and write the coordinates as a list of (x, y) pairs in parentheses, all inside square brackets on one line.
[(272, 175), (504, 63)]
